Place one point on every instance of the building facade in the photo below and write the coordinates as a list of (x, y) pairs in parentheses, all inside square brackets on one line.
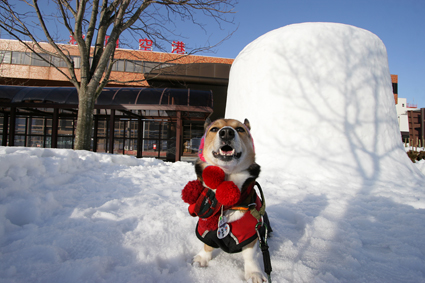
[(403, 108), (154, 106), (416, 120)]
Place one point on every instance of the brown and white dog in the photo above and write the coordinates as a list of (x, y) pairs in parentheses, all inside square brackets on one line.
[(227, 146)]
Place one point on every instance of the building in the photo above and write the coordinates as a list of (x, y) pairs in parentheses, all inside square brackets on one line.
[(410, 118), (416, 127), (154, 106), (402, 108), (394, 81)]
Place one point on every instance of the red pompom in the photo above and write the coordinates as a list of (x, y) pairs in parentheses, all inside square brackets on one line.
[(228, 193), (213, 176), (191, 191), (209, 223)]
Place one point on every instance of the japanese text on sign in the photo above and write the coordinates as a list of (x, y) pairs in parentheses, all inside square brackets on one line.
[(107, 39), (145, 44), (178, 47)]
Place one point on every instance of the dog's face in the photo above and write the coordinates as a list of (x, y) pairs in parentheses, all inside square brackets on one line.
[(228, 144)]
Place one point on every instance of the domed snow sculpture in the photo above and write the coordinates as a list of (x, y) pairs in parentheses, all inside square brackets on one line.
[(320, 102)]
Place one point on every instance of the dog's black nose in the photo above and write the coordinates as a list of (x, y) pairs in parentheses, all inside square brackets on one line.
[(227, 134)]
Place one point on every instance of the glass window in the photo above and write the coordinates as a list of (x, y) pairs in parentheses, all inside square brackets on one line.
[(48, 127), (20, 125), (149, 66), (130, 147), (118, 146), (133, 127), (102, 128), (58, 62), (170, 150), (150, 148), (19, 140), (192, 134), (77, 61), (119, 66), (102, 145), (22, 58), (37, 61), (133, 66), (37, 126), (168, 130), (65, 127), (151, 129), (138, 66), (129, 66), (35, 141), (65, 142), (48, 143), (5, 57), (119, 129)]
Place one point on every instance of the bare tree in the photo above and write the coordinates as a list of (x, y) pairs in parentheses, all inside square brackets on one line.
[(89, 22)]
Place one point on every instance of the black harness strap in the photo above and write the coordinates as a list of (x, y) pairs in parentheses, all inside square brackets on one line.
[(263, 226), (262, 233), (262, 238)]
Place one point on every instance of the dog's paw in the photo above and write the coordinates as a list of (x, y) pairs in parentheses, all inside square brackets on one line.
[(202, 259), (255, 277)]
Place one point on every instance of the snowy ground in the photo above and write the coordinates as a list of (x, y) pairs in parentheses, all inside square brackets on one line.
[(344, 200), (77, 216)]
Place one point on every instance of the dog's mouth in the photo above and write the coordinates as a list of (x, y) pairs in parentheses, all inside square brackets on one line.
[(227, 153)]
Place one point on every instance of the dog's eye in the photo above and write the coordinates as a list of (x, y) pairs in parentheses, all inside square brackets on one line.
[(240, 129), (215, 129)]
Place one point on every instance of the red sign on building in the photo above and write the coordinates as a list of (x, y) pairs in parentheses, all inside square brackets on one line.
[(73, 41), (107, 38), (145, 44), (178, 47)]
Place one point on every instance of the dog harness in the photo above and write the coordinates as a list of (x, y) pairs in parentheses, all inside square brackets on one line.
[(242, 231)]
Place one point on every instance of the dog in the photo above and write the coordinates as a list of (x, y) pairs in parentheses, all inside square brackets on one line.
[(226, 173)]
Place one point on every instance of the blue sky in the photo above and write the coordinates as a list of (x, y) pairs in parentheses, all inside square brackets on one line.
[(400, 24)]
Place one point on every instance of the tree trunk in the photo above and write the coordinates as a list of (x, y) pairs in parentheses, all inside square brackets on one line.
[(83, 134)]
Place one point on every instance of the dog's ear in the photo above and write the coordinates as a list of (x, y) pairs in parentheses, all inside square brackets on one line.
[(247, 124), (207, 123)]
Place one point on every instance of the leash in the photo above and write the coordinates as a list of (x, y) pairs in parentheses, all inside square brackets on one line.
[(262, 238), (262, 234)]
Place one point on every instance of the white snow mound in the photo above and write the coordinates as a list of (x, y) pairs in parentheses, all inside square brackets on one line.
[(320, 101)]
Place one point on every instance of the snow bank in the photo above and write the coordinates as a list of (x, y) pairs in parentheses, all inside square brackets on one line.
[(320, 102), (77, 216)]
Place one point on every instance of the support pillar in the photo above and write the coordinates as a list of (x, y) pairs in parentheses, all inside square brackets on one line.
[(111, 131), (96, 127), (179, 132), (139, 138), (55, 125), (12, 126), (5, 129)]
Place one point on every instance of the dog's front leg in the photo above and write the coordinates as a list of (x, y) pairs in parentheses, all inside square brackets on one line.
[(204, 256), (252, 267)]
